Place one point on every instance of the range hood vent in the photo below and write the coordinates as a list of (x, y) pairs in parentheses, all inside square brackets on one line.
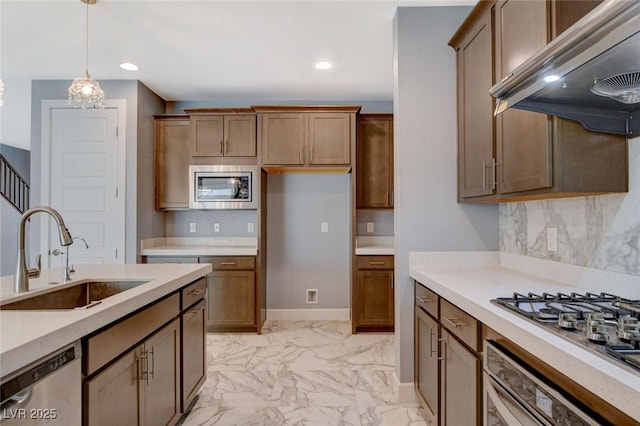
[(590, 73)]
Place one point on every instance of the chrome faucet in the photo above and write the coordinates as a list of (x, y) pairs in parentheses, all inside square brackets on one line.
[(21, 280), (69, 270)]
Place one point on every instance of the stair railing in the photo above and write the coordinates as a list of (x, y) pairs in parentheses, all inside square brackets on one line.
[(13, 187)]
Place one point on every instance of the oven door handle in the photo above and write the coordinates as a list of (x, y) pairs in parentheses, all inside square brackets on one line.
[(502, 408)]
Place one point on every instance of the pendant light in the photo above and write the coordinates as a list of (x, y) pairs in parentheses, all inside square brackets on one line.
[(86, 92)]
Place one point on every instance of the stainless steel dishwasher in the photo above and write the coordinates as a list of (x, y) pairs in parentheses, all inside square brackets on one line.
[(46, 392)]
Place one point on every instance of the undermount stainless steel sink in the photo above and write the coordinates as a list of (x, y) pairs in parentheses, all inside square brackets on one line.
[(79, 296)]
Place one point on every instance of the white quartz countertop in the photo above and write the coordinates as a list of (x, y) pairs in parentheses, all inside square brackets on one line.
[(199, 246), (471, 282), (374, 246), (26, 336)]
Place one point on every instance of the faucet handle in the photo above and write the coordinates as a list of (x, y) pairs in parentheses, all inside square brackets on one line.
[(35, 272)]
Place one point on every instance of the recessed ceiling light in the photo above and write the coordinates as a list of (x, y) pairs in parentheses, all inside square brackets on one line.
[(323, 65), (551, 78), (128, 66)]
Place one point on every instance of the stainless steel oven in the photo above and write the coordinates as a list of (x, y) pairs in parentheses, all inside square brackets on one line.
[(515, 396), (224, 187)]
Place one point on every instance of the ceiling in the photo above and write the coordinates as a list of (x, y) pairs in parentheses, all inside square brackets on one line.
[(201, 50)]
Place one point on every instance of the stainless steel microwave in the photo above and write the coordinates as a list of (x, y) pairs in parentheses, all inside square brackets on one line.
[(224, 187)]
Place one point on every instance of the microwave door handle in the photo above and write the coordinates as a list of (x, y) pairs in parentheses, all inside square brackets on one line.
[(505, 412)]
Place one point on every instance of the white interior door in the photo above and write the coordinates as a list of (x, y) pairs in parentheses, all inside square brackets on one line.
[(83, 186)]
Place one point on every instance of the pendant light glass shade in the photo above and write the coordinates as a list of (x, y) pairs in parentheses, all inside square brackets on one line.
[(86, 92)]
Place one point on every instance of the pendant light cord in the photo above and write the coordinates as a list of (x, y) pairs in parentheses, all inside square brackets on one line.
[(87, 43)]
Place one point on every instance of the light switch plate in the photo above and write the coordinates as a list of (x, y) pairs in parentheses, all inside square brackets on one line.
[(370, 227), (324, 227), (250, 227), (192, 227), (216, 227)]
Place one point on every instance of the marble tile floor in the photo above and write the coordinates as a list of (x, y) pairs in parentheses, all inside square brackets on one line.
[(301, 373)]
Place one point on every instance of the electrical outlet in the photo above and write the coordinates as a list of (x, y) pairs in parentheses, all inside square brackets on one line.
[(552, 239), (251, 227), (324, 227), (312, 296), (216, 227), (370, 227), (192, 227)]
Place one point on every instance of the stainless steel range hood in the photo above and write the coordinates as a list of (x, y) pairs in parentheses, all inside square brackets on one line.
[(604, 44)]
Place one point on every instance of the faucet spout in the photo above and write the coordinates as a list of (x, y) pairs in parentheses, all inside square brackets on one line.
[(21, 280)]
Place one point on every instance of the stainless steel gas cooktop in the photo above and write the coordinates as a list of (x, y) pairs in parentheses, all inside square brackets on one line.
[(605, 323)]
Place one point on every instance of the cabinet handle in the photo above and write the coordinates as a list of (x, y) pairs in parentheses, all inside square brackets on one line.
[(494, 166), (455, 322), (228, 263), (195, 311), (226, 146), (431, 334), (376, 263), (299, 155), (143, 373), (311, 159), (220, 146), (197, 292), (423, 300), (484, 175), (444, 349), (153, 367)]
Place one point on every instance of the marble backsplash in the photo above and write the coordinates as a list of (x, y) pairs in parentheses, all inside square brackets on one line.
[(600, 232)]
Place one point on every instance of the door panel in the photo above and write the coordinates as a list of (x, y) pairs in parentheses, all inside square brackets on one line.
[(84, 183)]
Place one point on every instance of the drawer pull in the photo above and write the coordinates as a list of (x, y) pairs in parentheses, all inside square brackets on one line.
[(431, 350), (228, 263), (455, 322), (376, 263), (195, 311), (196, 292), (143, 371), (422, 300)]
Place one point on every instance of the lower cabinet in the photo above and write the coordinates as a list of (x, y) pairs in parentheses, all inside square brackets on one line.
[(142, 387), (193, 320), (232, 294), (427, 368), (373, 300), (146, 369), (447, 361)]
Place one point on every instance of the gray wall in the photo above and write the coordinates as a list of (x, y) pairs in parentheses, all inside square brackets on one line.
[(9, 215), (150, 222), (382, 223), (114, 89), (300, 257), (233, 223), (427, 216)]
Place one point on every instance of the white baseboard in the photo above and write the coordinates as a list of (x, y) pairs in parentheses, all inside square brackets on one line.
[(309, 314), (405, 392)]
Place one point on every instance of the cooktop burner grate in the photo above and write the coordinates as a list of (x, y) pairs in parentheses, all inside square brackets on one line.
[(605, 323)]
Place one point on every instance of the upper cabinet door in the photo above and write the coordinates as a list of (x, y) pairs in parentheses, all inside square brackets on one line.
[(172, 163), (282, 138), (207, 136), (374, 162), (329, 138), (475, 111), (523, 138), (240, 136)]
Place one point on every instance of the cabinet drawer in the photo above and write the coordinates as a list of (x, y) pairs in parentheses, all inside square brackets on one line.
[(193, 292), (108, 344), (168, 259), (375, 262), (230, 262), (460, 324), (427, 300)]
